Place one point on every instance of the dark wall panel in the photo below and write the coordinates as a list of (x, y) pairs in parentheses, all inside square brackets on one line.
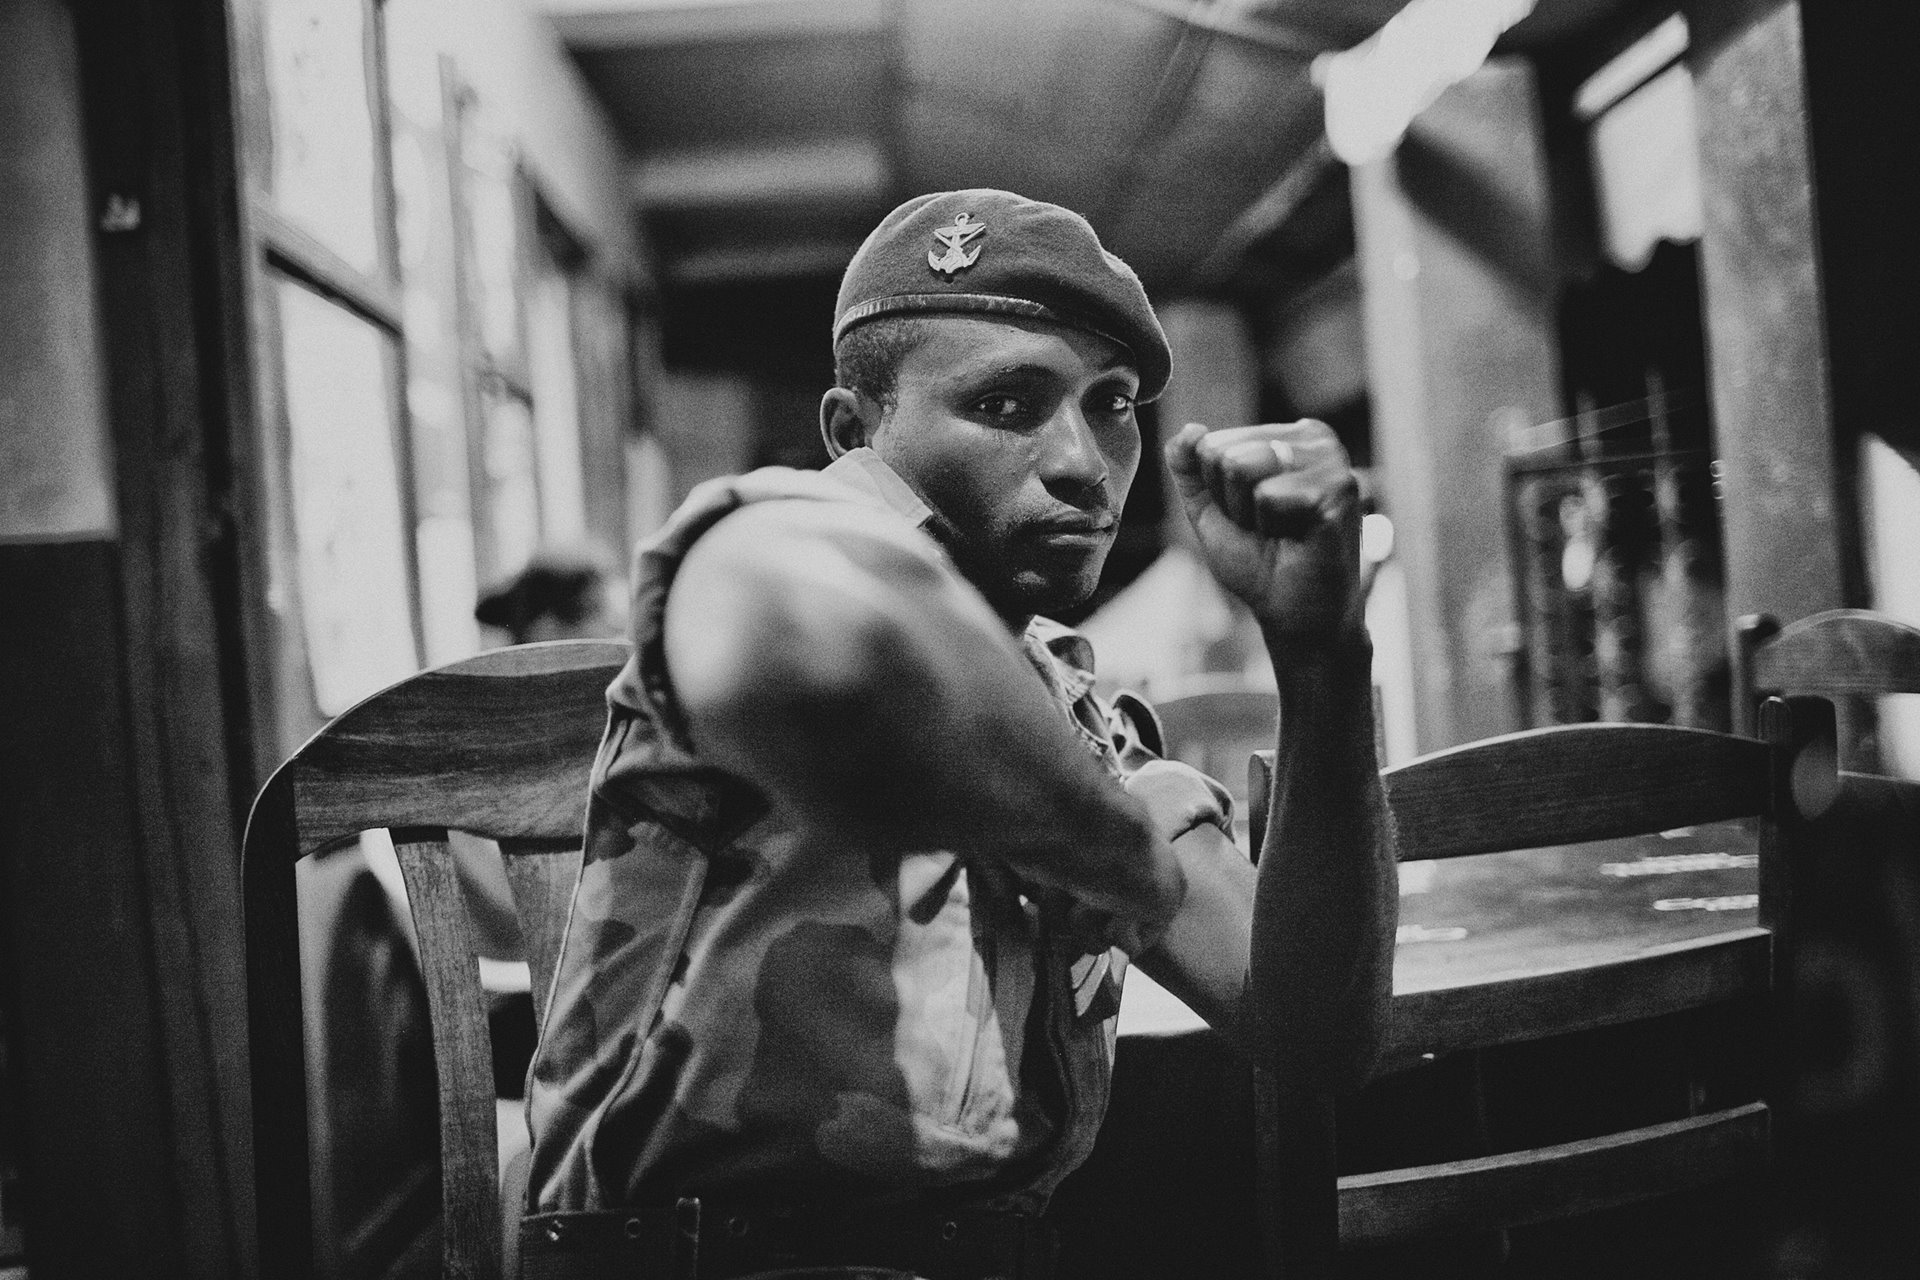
[(84, 1046)]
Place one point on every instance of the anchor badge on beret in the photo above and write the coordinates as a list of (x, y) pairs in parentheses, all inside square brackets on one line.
[(956, 237)]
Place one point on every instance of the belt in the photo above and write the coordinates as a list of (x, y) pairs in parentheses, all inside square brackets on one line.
[(720, 1240)]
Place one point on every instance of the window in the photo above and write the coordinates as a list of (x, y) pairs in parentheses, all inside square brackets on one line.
[(340, 570), (487, 197), (1643, 147), (444, 368)]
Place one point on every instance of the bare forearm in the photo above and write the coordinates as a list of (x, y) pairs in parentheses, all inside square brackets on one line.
[(1202, 959), (1321, 970), (860, 683)]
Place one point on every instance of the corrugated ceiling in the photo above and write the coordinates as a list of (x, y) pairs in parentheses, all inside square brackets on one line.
[(768, 135)]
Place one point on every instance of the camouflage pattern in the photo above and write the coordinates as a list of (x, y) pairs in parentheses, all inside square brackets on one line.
[(743, 1008)]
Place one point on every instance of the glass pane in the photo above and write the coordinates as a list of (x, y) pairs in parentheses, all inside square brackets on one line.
[(649, 485), (492, 213), (323, 152), (1646, 169), (351, 549), (512, 497), (448, 587), (444, 534), (556, 408)]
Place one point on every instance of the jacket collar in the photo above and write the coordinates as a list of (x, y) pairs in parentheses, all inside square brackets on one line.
[(863, 469)]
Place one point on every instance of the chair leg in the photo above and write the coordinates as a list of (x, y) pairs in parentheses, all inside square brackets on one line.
[(1299, 1193), (513, 1196)]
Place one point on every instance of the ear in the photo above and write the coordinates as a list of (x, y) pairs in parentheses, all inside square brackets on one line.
[(847, 421)]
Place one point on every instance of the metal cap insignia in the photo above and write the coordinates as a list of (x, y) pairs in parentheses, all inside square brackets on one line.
[(956, 237)]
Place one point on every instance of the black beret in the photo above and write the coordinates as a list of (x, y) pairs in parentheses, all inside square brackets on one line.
[(997, 253)]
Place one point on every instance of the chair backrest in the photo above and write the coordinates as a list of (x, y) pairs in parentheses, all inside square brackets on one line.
[(498, 745), (1215, 729), (1540, 790), (1834, 654), (1853, 1091)]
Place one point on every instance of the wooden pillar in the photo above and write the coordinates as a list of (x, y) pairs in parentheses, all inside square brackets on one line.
[(83, 1095), (1863, 103), (1787, 519), (1452, 235), (123, 733)]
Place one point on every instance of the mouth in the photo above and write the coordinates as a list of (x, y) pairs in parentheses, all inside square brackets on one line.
[(1074, 533), (1076, 526)]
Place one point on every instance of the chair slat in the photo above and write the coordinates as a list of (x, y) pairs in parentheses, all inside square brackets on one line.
[(469, 1196), (1494, 1192), (1689, 975), (1570, 784), (486, 746), (1838, 652), (543, 879)]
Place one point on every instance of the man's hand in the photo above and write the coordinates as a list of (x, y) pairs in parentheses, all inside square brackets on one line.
[(1277, 512)]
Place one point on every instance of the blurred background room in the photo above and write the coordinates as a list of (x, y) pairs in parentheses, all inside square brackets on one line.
[(322, 320)]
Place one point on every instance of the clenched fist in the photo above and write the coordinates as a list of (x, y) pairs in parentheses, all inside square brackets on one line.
[(1277, 511)]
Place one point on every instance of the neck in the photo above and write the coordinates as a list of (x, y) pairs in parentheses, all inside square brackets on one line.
[(943, 532)]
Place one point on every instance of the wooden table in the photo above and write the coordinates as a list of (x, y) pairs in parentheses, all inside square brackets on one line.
[(1169, 1190), (1503, 915)]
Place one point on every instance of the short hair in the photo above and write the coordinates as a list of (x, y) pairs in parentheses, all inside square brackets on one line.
[(867, 359)]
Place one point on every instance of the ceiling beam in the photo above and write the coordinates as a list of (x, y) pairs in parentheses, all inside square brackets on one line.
[(626, 24), (1224, 20), (839, 172)]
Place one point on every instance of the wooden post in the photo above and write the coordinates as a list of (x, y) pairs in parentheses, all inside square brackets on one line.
[(1453, 249), (123, 730), (1785, 513)]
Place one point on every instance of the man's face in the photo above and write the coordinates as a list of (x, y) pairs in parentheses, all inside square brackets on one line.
[(1021, 437)]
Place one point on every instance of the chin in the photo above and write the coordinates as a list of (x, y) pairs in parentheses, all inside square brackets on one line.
[(1051, 593), (1028, 583)]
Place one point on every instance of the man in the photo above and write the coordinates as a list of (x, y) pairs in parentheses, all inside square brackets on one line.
[(866, 859)]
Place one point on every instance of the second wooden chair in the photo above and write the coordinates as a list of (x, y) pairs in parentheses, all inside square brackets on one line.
[(1537, 790)]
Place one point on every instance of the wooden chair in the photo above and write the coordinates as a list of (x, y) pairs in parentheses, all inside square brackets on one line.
[(1535, 791), (498, 745), (1837, 654), (1854, 1091), (1215, 729)]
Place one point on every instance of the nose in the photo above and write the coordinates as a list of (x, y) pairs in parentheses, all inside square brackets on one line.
[(1071, 463)]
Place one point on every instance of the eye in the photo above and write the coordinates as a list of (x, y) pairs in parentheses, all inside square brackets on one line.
[(1001, 408), (1114, 400)]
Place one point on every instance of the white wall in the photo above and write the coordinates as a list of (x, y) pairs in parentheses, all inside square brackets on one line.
[(56, 479)]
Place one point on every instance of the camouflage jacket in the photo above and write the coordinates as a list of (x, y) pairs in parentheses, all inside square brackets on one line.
[(741, 1007)]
